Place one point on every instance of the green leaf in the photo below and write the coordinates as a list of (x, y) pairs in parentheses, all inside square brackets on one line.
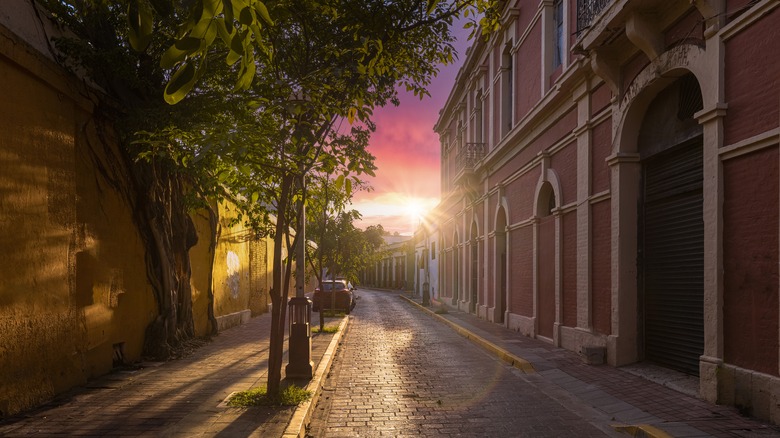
[(232, 57), (171, 57), (212, 8), (181, 83), (348, 186), (188, 44), (263, 11), (228, 12), (238, 5), (339, 182), (202, 27), (223, 32), (237, 43), (246, 16), (140, 23), (256, 30), (210, 35), (247, 73)]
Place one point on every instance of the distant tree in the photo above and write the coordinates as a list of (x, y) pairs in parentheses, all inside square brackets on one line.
[(374, 235)]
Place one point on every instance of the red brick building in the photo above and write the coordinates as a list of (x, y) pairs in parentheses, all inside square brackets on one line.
[(610, 179)]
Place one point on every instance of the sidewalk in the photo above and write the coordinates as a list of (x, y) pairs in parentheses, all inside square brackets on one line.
[(184, 397), (636, 405)]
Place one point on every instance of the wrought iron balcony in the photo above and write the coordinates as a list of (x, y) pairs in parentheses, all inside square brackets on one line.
[(468, 156), (588, 11)]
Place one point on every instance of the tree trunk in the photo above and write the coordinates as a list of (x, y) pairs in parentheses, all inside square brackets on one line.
[(215, 233), (169, 233), (278, 293)]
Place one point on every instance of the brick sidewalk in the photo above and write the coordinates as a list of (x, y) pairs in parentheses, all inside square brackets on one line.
[(629, 398), (177, 398)]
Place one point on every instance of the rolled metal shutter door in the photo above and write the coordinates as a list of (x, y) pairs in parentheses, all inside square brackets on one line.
[(672, 258)]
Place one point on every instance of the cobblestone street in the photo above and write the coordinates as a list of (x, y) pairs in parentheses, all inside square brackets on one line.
[(399, 372)]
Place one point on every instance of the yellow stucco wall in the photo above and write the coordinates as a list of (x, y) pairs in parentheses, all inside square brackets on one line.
[(72, 272), (241, 271), (200, 262), (73, 280), (231, 265)]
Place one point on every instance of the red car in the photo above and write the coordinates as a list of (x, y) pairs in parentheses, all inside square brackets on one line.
[(323, 296)]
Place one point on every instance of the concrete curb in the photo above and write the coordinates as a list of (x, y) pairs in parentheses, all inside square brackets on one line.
[(302, 414), (515, 361)]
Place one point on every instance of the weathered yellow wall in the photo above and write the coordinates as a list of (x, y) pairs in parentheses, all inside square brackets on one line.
[(231, 265), (73, 282), (111, 280), (241, 274), (200, 262), (261, 275), (72, 274)]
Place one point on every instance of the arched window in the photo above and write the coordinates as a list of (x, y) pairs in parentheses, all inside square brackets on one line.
[(507, 91), (478, 120), (546, 202), (558, 40)]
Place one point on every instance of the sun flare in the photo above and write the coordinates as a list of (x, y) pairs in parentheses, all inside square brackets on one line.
[(397, 212), (414, 209)]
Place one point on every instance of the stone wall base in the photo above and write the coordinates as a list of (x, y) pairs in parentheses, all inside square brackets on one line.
[(523, 324), (755, 394), (225, 322)]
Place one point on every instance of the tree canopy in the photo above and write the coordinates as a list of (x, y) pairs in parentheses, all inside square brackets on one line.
[(253, 101)]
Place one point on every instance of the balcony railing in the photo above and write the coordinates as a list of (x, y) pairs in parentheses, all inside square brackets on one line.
[(588, 11), (468, 156)]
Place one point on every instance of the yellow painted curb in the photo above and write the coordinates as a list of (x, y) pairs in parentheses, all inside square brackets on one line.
[(515, 361), (641, 430)]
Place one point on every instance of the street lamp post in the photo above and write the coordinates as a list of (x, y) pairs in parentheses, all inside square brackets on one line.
[(300, 365)]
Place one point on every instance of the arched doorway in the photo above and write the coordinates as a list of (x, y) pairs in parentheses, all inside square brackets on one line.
[(474, 272), (546, 261), (455, 269), (671, 229), (501, 265)]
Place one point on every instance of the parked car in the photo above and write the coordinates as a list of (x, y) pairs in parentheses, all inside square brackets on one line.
[(349, 284), (323, 296)]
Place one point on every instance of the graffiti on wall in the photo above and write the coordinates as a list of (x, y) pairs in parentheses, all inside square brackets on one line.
[(233, 267)]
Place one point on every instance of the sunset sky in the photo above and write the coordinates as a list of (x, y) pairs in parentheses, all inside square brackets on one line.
[(407, 181)]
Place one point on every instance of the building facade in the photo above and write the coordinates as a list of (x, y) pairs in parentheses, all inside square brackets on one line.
[(426, 271), (610, 180), (395, 267)]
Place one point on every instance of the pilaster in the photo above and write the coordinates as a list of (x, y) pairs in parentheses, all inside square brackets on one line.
[(622, 343)]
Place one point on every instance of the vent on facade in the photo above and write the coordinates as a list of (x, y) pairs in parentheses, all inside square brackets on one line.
[(690, 100), (119, 354)]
